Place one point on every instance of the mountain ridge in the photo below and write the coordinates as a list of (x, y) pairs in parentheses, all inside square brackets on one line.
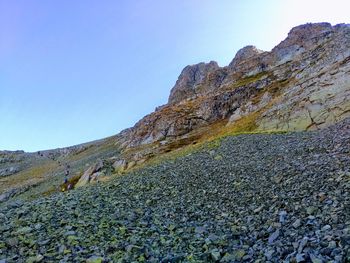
[(205, 93), (301, 84), (245, 163)]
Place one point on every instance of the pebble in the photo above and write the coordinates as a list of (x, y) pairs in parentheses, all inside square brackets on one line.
[(215, 255), (239, 254), (311, 210), (326, 228), (316, 259), (300, 257), (283, 215), (332, 245), (274, 236), (302, 244), (297, 223)]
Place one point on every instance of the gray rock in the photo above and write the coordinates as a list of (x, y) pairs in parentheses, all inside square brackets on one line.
[(326, 228), (215, 255), (190, 80), (274, 236), (300, 258), (243, 55), (297, 223), (316, 259), (302, 244), (283, 215)]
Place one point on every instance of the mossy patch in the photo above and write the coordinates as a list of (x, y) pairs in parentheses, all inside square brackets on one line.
[(248, 80)]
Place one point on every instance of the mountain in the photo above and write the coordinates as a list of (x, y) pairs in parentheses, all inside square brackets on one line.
[(245, 163), (301, 84)]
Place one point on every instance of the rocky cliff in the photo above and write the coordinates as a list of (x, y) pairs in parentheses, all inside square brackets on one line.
[(301, 84)]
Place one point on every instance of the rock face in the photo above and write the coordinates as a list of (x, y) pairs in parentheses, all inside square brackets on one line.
[(244, 54), (302, 84), (192, 81), (319, 95)]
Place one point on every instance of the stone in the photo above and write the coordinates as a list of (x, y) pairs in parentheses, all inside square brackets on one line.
[(131, 164), (283, 215), (95, 259), (258, 209), (37, 258), (300, 257), (88, 174), (238, 254), (200, 230), (238, 114), (302, 244), (8, 171), (316, 259), (227, 258), (274, 236), (326, 228), (12, 242), (25, 230), (332, 245), (297, 223), (311, 210), (120, 166), (215, 255)]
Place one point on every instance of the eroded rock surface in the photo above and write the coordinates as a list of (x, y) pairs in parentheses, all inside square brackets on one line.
[(192, 81), (303, 83)]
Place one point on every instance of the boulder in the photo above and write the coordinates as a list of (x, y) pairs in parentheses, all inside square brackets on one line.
[(95, 171), (120, 165)]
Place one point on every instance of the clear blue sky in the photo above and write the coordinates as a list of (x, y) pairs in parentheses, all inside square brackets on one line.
[(76, 71)]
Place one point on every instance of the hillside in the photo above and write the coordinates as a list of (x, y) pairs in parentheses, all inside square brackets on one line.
[(301, 84), (265, 197), (245, 162)]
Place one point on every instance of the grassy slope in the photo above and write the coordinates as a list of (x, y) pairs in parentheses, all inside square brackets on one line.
[(43, 176)]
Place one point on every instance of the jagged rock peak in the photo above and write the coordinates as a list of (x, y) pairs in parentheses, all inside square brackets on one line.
[(244, 54), (190, 78), (299, 35)]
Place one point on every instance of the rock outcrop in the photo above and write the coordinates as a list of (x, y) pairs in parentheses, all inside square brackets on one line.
[(94, 172), (8, 171), (248, 53), (303, 83), (192, 80)]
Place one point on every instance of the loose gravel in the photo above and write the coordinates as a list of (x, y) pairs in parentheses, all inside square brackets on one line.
[(253, 198)]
